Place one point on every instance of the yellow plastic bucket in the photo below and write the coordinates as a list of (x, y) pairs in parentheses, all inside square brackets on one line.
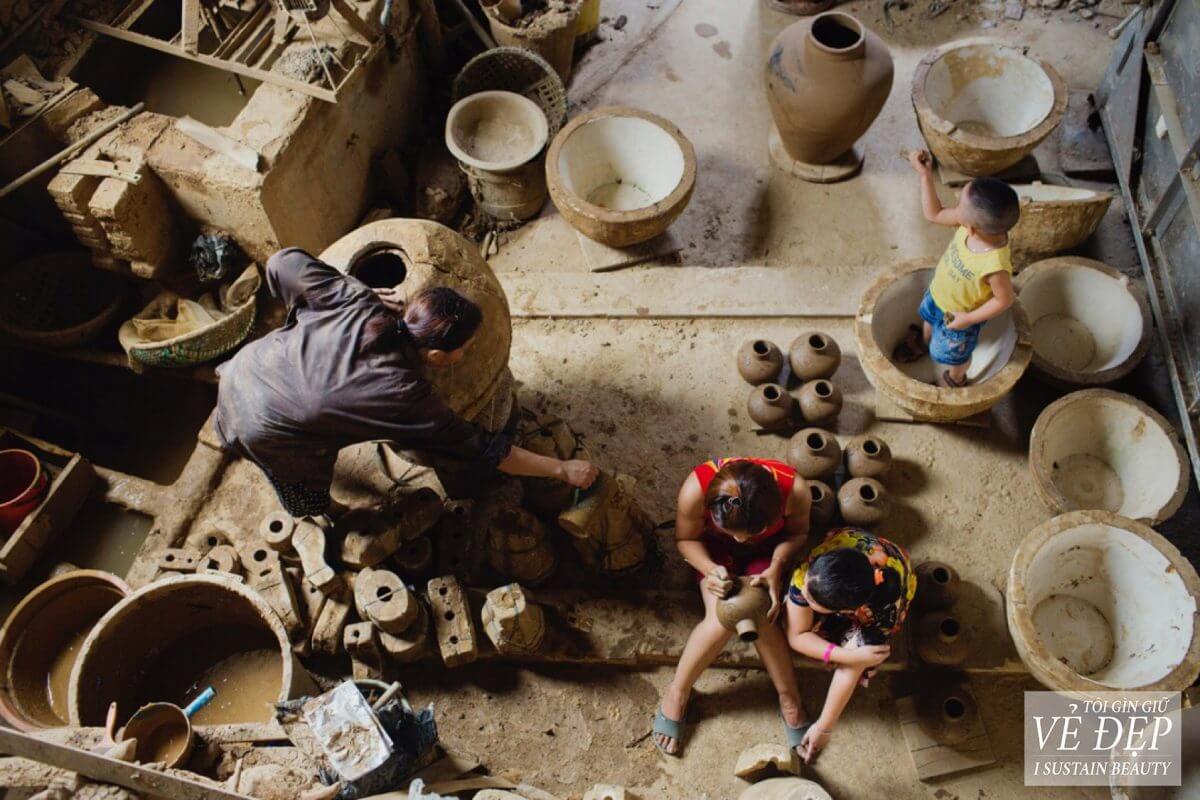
[(589, 18)]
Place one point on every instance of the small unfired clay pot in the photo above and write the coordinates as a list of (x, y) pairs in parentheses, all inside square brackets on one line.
[(937, 586), (868, 457), (814, 355), (947, 714), (941, 640), (814, 453), (863, 501), (745, 611), (824, 503), (759, 361), (770, 406), (820, 402)]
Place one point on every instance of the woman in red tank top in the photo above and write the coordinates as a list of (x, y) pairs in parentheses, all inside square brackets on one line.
[(737, 516)]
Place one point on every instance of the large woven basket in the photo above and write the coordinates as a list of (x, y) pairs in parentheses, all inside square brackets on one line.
[(515, 69), (200, 346)]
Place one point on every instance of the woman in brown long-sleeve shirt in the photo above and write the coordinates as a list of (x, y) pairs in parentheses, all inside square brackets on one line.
[(347, 367)]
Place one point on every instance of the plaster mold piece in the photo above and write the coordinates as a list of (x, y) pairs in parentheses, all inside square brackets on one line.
[(763, 760), (452, 621), (222, 558), (137, 219), (814, 453), (868, 457), (1091, 323), (184, 631), (947, 714), (414, 559), (1099, 449), (309, 543), (178, 559), (40, 642), (863, 501), (274, 586), (770, 406), (551, 437), (785, 789), (983, 106), (759, 361), (609, 530), (328, 627), (744, 611), (937, 586), (1098, 602), (414, 254), (515, 624), (620, 175), (1054, 219), (382, 598), (411, 645), (824, 503), (820, 402), (889, 307), (370, 536), (277, 529), (940, 639), (519, 547), (605, 791), (827, 79), (814, 355), (361, 642), (497, 138)]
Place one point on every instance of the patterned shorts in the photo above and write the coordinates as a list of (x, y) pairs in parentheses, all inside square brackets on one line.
[(947, 346), (300, 501)]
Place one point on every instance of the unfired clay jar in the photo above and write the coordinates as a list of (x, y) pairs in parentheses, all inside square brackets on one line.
[(824, 503), (814, 453), (868, 457), (940, 639), (745, 611), (947, 714), (937, 586), (770, 406), (814, 355), (863, 501), (820, 402), (759, 361), (827, 79)]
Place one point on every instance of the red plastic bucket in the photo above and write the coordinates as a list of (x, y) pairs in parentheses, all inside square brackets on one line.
[(23, 485)]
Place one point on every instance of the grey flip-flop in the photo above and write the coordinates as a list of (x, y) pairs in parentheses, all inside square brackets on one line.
[(668, 727), (795, 736)]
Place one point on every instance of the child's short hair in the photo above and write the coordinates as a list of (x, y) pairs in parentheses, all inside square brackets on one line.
[(743, 497), (844, 579), (993, 205)]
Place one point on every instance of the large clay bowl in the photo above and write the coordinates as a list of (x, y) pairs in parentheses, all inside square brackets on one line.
[(1054, 219), (620, 175), (890, 305), (496, 130), (1099, 449), (983, 106), (1098, 602), (1091, 323)]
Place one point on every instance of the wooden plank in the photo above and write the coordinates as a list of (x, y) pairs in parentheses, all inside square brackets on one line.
[(189, 31), (218, 142), (244, 29), (101, 768), (931, 759), (228, 66), (354, 20)]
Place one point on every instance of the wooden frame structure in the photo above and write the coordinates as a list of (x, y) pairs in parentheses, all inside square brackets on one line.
[(250, 44)]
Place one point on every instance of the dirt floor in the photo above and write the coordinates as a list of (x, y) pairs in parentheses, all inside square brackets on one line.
[(641, 362)]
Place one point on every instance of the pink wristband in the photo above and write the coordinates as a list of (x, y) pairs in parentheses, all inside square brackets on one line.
[(828, 652)]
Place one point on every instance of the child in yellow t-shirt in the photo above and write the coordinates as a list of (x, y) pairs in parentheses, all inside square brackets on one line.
[(973, 279)]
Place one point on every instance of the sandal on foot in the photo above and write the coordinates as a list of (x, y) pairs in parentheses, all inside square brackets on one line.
[(795, 736), (953, 384), (666, 726)]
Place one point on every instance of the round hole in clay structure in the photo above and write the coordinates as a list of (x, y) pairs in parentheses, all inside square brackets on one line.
[(950, 627), (1097, 601), (866, 492), (383, 592), (213, 541), (496, 131), (1098, 449), (453, 640), (1091, 324), (260, 555), (818, 494), (989, 90), (460, 510), (770, 392), (169, 557), (442, 590), (381, 268), (276, 525), (761, 347), (940, 575), (40, 642), (449, 615), (823, 388), (954, 707), (870, 447), (816, 441), (837, 31), (816, 341), (212, 564), (170, 639)]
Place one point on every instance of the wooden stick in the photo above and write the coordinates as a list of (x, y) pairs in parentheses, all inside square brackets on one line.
[(70, 151), (483, 35)]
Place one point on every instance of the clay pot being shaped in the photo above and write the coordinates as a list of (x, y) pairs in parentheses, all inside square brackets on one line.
[(759, 361), (824, 503), (770, 406), (941, 640), (814, 453), (814, 355), (937, 586), (745, 611), (863, 501), (868, 457), (947, 714), (827, 79), (820, 402)]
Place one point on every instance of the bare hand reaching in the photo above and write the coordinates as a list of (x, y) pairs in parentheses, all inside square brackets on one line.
[(580, 474), (921, 161), (868, 655), (770, 579), (391, 299)]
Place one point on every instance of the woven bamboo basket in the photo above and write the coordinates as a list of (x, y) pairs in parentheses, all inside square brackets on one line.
[(515, 69)]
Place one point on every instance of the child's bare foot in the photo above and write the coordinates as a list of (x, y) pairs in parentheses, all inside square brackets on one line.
[(952, 381), (911, 347)]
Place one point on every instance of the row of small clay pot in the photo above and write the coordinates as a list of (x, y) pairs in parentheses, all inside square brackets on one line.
[(938, 636), (813, 358), (863, 500)]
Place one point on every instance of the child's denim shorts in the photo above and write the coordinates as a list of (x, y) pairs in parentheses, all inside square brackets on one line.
[(950, 347)]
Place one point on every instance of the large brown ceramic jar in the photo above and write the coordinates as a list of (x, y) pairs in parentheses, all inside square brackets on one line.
[(827, 80)]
